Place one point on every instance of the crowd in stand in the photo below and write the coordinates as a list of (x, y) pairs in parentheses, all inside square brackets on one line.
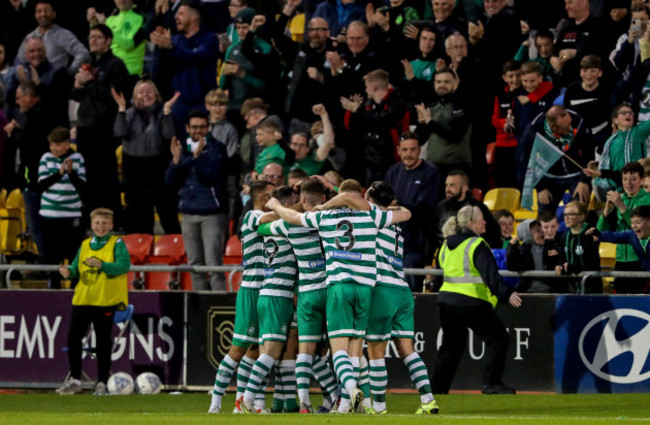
[(204, 97)]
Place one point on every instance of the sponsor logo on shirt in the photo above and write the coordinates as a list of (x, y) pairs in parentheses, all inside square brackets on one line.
[(345, 255)]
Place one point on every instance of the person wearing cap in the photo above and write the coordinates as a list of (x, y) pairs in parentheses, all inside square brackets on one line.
[(190, 57), (246, 71)]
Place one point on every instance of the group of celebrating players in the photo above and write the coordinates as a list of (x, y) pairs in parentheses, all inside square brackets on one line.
[(344, 255)]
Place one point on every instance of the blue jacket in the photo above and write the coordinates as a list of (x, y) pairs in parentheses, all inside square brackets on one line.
[(201, 181), (628, 237), (193, 65), (329, 10)]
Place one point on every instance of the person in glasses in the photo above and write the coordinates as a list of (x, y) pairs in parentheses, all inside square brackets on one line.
[(198, 172)]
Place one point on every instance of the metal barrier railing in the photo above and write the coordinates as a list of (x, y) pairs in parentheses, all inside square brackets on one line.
[(10, 268)]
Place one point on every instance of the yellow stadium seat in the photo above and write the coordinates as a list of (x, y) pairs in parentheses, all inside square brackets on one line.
[(3, 198), (297, 27), (118, 156), (522, 214), (12, 225), (502, 199), (607, 253), (594, 203)]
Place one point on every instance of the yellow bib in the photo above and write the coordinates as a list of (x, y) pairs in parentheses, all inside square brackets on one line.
[(95, 287)]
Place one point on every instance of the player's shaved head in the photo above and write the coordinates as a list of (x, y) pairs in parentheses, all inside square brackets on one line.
[(285, 194)]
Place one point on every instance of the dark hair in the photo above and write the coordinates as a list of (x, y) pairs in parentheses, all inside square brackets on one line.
[(633, 167), (503, 213), (544, 33), (546, 216), (463, 176), (298, 173), (642, 211), (445, 70), (510, 65), (258, 187), (641, 7), (409, 135), (29, 88), (198, 113), (283, 193), (106, 31), (50, 2), (58, 135), (381, 193), (312, 186), (590, 61), (192, 4), (619, 107)]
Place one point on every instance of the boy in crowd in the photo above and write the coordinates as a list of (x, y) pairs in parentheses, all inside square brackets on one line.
[(61, 181), (503, 121), (591, 100), (533, 97), (100, 265), (623, 203), (532, 254), (544, 45), (507, 225), (268, 133)]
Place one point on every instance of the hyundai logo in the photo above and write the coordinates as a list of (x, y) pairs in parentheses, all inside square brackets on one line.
[(616, 339)]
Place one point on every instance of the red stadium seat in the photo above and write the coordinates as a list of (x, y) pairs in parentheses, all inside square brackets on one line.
[(233, 255), (168, 249), (139, 247)]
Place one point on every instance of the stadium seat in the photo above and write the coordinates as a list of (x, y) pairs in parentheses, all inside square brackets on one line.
[(3, 198), (139, 246), (13, 227), (594, 203), (297, 28), (522, 214), (168, 249), (607, 253), (233, 255), (505, 198)]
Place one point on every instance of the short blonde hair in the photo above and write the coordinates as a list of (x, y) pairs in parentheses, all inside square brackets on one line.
[(101, 212), (350, 185), (460, 221), (216, 96)]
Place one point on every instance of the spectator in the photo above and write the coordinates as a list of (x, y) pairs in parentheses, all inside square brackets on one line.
[(190, 57), (146, 128), (267, 135), (27, 134), (6, 73), (216, 102), (566, 130), (100, 265), (623, 203), (198, 171), (307, 161), (415, 182), (533, 97), (424, 67), (579, 35), (506, 223), (129, 34), (339, 14), (627, 53), (591, 100), (551, 229), (543, 41), (532, 254), (456, 49), (637, 238), (627, 144), (381, 118), (249, 66), (15, 21), (458, 195), (503, 121), (52, 81), (296, 177), (580, 249), (61, 182), (447, 21), (96, 115), (234, 7), (62, 46), (445, 126)]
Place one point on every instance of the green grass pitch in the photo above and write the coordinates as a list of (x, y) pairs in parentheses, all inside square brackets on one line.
[(455, 409)]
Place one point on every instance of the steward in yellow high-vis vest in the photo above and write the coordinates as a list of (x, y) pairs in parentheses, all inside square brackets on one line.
[(470, 290), (101, 265)]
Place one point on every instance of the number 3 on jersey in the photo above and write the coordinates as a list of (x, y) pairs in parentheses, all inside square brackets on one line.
[(349, 228)]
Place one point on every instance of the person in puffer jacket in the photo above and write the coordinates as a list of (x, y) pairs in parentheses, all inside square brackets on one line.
[(198, 172)]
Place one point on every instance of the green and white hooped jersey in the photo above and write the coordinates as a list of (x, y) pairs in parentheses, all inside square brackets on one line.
[(280, 269), (309, 254), (390, 257), (61, 199), (350, 241), (253, 251)]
